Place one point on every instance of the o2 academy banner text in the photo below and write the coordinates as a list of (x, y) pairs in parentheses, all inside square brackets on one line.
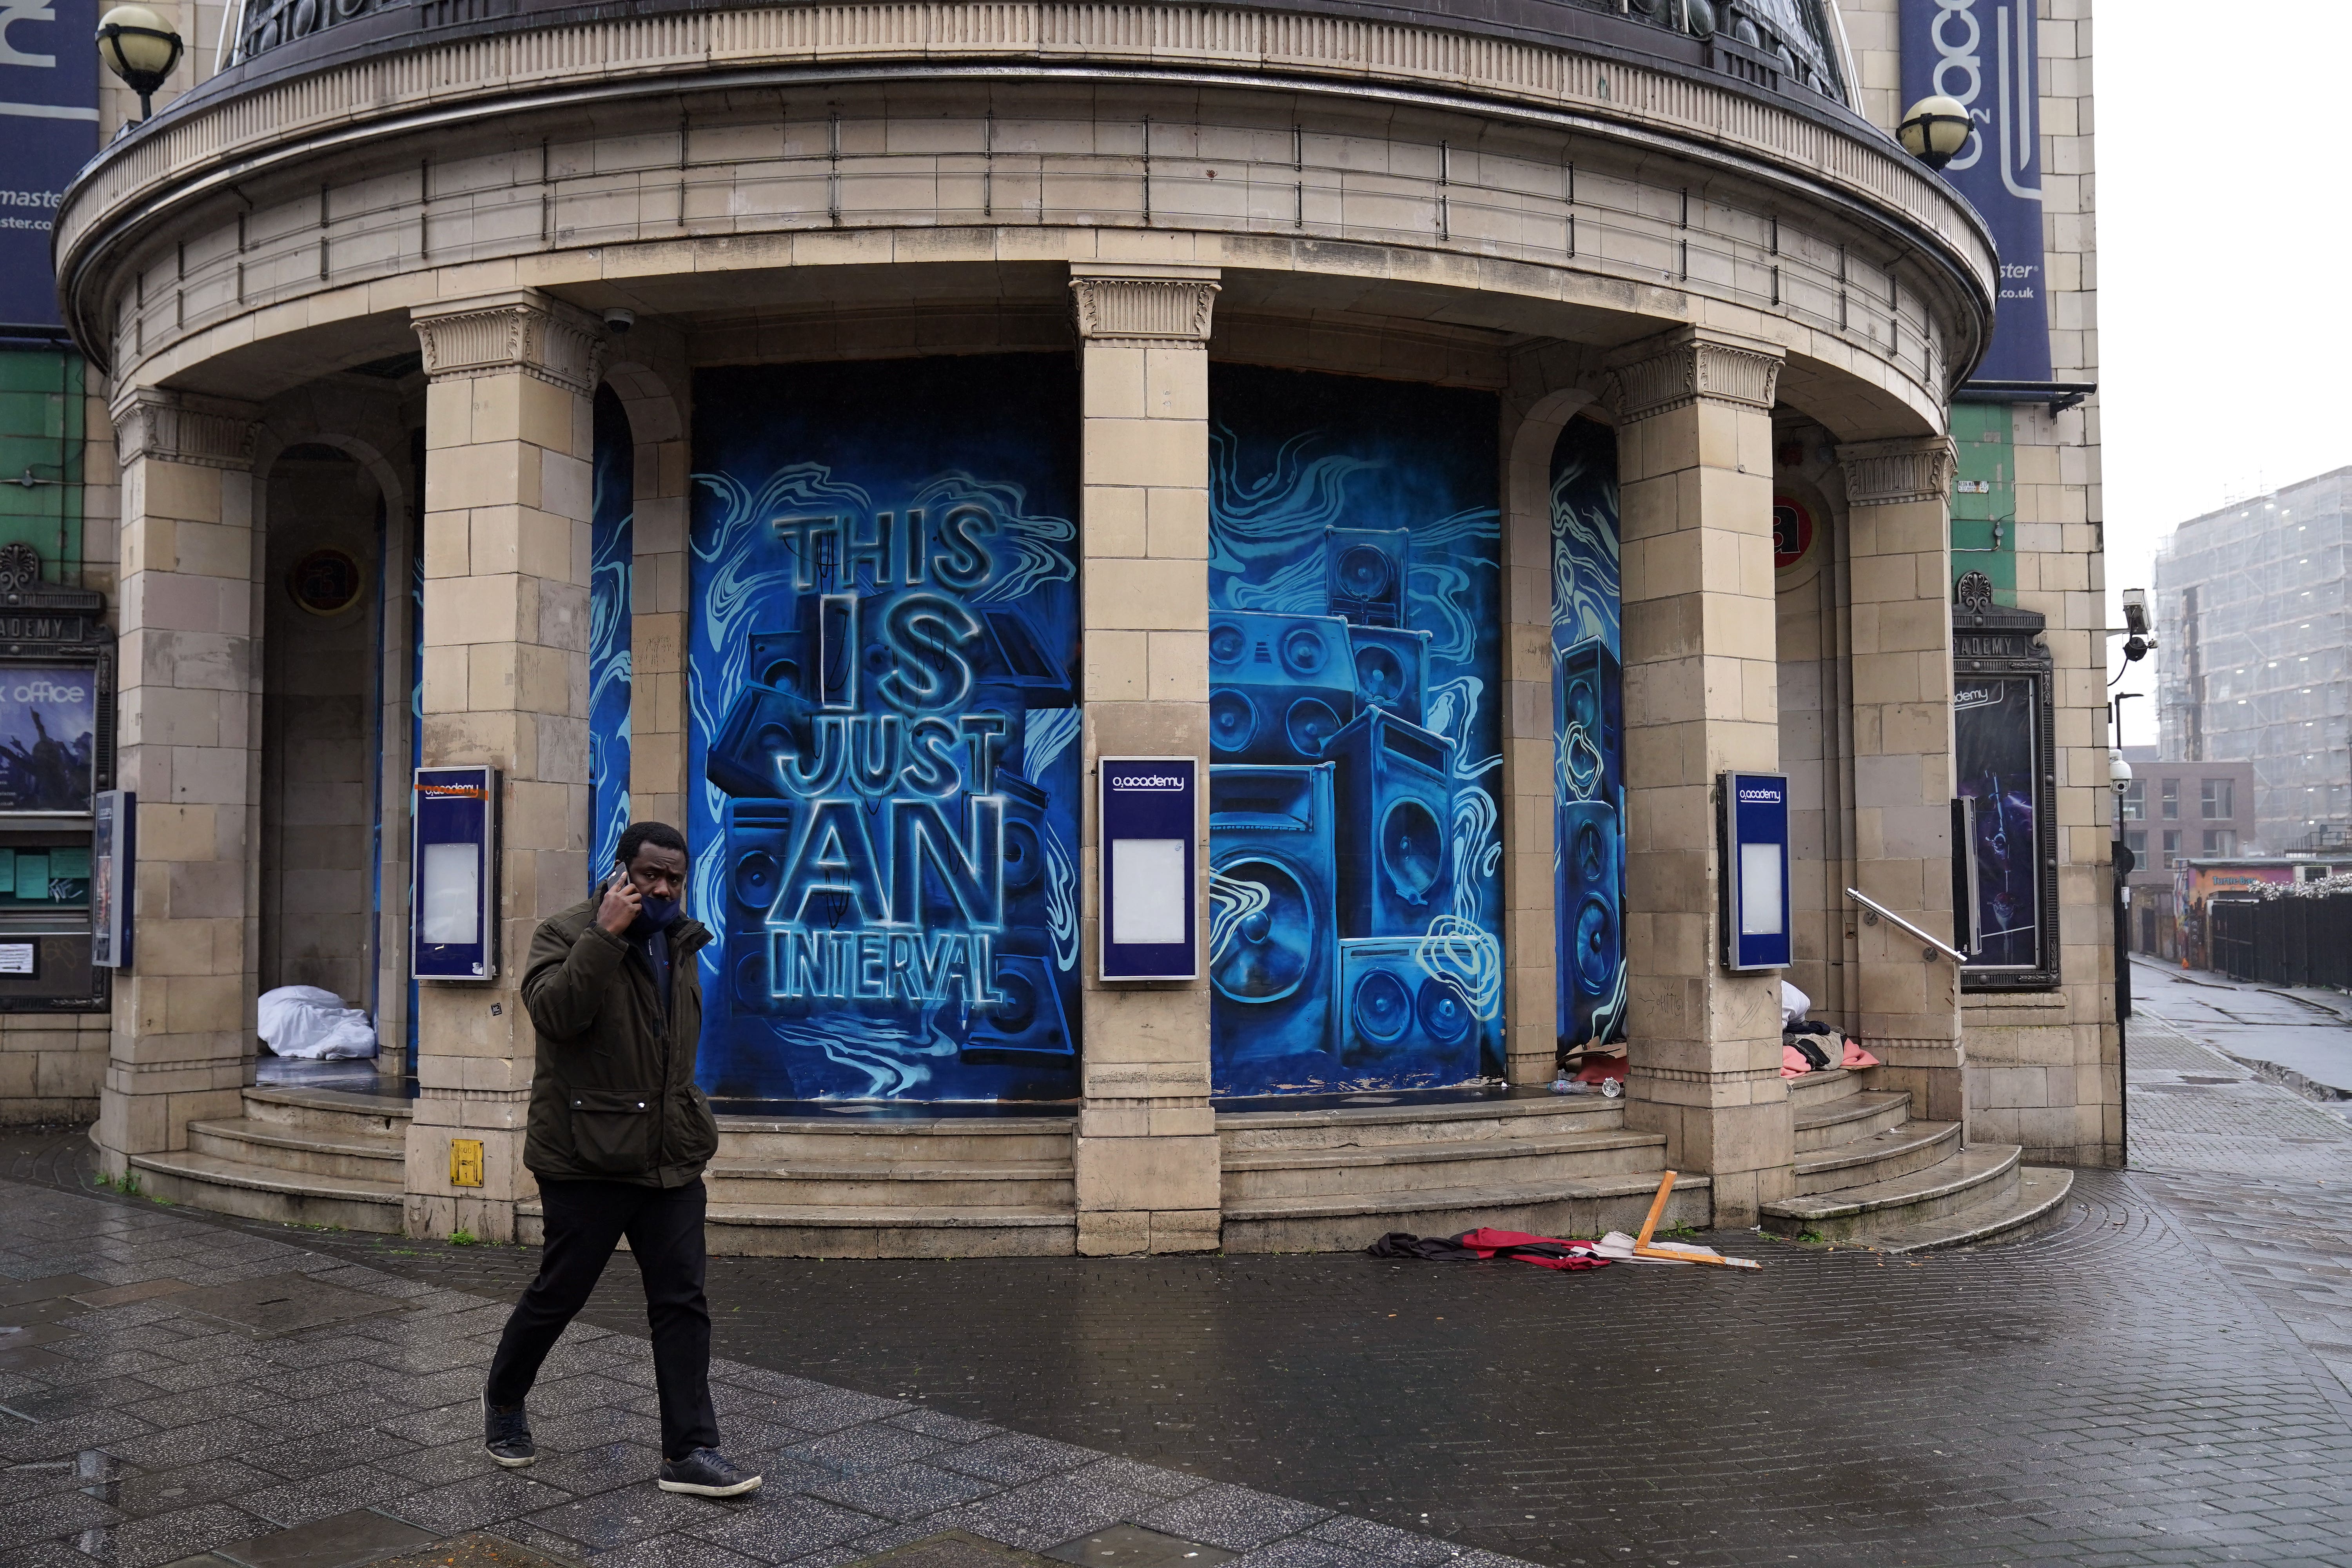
[(884, 674), (1985, 54), (48, 124)]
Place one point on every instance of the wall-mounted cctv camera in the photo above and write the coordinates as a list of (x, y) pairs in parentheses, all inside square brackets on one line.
[(618, 321), (2136, 619)]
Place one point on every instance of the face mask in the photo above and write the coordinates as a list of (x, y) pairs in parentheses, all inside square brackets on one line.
[(659, 913)]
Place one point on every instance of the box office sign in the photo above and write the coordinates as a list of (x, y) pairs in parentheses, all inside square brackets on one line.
[(1985, 55), (885, 733)]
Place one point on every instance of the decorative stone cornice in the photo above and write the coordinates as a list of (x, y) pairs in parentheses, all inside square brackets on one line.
[(1156, 305), (1689, 366), (182, 427), (522, 331), (1889, 473)]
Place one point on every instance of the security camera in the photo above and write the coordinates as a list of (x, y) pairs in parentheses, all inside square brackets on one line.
[(617, 320), (2136, 619)]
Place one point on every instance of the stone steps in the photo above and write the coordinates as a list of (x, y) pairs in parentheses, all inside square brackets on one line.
[(1817, 1088), (943, 1140), (848, 1230), (267, 1192), (1566, 1206), (1879, 1157), (2038, 1203), (1983, 1177), (1821, 1124), (1339, 1178), (327, 1108), (1413, 1167), (377, 1157), (885, 1183)]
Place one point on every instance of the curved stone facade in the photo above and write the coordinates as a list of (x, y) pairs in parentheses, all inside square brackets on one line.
[(475, 231)]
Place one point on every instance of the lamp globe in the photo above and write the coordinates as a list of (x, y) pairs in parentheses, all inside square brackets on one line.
[(1935, 129)]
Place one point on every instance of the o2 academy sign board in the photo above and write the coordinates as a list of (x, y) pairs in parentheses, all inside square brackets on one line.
[(48, 125), (1986, 55)]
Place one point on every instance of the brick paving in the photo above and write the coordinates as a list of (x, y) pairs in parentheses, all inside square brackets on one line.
[(2160, 1380)]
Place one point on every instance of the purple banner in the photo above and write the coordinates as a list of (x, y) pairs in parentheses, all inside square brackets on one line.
[(48, 122), (1984, 54)]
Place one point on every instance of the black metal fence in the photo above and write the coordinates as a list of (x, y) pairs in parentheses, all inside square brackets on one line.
[(2283, 942)]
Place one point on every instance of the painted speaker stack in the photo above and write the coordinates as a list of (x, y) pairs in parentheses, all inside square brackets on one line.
[(1588, 697), (1331, 832)]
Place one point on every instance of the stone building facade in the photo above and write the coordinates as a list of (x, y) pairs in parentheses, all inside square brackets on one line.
[(1598, 370)]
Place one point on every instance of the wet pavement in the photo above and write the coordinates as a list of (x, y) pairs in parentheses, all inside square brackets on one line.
[(2301, 1031), (2166, 1378)]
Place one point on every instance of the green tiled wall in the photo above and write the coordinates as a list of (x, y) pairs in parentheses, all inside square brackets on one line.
[(1988, 450), (41, 417)]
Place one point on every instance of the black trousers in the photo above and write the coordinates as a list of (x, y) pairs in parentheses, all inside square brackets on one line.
[(585, 1221)]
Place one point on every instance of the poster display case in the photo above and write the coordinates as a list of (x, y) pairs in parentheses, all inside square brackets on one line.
[(2003, 740), (57, 756)]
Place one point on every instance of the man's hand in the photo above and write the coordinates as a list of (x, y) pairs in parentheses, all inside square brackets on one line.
[(619, 910)]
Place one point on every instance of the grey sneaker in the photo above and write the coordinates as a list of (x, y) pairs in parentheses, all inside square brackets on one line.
[(505, 1435), (707, 1472)]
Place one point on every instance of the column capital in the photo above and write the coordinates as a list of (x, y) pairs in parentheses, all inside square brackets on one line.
[(183, 427), (1163, 307), (1690, 365), (517, 330), (1889, 473)]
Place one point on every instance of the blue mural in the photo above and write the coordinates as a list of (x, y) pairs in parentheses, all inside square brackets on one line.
[(1355, 741), (1589, 721), (611, 555), (884, 733)]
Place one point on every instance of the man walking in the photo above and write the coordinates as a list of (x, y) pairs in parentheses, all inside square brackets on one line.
[(619, 1135)]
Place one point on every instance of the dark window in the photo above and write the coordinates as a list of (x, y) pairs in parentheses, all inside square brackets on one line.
[(2220, 841), (2136, 800), (2136, 840), (2171, 799), (2171, 845), (2214, 799)]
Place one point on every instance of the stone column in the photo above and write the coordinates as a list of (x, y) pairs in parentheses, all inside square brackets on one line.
[(1147, 1173), (181, 1047), (509, 442), (1898, 522), (1694, 483)]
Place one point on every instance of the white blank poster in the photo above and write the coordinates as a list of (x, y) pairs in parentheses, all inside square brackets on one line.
[(1147, 878), (453, 894), (1759, 889)]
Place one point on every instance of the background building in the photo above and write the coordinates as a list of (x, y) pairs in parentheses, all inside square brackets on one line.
[(2255, 655), (2172, 812)]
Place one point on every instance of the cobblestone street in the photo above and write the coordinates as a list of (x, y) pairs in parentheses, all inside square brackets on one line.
[(2166, 1377)]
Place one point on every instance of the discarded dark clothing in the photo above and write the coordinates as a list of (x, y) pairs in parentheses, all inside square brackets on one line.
[(1477, 1246)]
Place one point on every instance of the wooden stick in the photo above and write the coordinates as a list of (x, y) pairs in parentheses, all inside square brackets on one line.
[(1657, 1207), (1678, 1255)]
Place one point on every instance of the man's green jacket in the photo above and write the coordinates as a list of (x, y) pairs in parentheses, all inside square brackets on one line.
[(612, 1096)]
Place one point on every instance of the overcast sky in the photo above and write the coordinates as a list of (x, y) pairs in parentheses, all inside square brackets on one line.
[(2225, 275)]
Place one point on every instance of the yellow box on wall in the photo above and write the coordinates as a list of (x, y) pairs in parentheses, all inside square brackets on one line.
[(465, 1161)]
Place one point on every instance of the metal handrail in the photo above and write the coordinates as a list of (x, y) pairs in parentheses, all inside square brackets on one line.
[(1875, 907)]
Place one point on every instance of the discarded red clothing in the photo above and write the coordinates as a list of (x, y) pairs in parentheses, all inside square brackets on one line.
[(1793, 1063), (1600, 1070), (1856, 1057), (1477, 1246)]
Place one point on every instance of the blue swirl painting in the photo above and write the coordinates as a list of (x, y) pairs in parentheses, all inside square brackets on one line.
[(1355, 893), (610, 556), (885, 768), (1589, 729)]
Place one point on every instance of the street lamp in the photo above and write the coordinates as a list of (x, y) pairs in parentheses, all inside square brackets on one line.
[(138, 46), (1935, 130)]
